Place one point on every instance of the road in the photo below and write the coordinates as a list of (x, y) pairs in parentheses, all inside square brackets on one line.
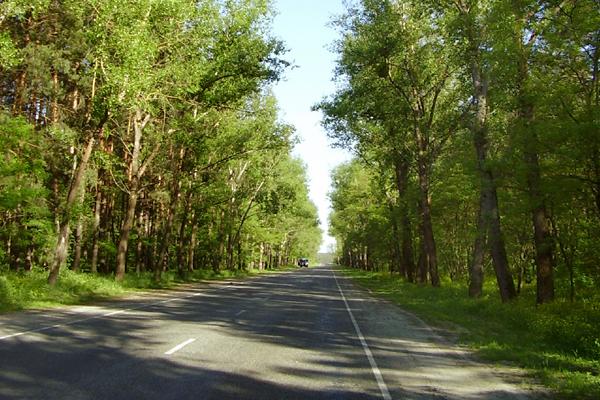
[(305, 334)]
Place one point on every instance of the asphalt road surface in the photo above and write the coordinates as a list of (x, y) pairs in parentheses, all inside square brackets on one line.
[(306, 334)]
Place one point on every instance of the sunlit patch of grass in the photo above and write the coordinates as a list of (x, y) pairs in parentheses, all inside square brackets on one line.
[(31, 290), (559, 343)]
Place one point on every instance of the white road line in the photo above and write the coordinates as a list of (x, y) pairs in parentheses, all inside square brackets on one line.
[(240, 313), (180, 346), (385, 393)]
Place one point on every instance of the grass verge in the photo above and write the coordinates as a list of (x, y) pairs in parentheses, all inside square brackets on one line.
[(19, 291), (557, 343)]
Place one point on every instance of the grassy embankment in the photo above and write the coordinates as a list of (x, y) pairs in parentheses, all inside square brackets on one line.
[(557, 343), (20, 291)]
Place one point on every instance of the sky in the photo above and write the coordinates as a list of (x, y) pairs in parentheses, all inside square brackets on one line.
[(303, 25)]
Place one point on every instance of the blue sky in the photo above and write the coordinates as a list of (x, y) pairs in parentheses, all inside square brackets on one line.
[(303, 26)]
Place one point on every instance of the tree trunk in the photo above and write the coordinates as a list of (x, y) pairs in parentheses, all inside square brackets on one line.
[(544, 243), (182, 237), (61, 249), (78, 244), (168, 226), (126, 229), (408, 260), (489, 215), (136, 173), (166, 233), (260, 256), (542, 235), (429, 247), (476, 267), (96, 230), (54, 115), (139, 249), (192, 246), (396, 264), (78, 237)]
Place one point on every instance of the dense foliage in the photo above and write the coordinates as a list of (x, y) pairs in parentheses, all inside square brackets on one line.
[(476, 125), (142, 136)]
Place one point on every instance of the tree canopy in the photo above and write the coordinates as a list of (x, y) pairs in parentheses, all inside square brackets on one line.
[(476, 129), (143, 136)]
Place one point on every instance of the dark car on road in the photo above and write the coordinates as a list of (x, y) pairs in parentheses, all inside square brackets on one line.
[(303, 262)]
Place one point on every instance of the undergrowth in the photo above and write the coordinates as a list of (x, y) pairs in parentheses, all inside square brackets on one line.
[(25, 290), (559, 343)]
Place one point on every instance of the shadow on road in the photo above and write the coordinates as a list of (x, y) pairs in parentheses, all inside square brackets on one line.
[(297, 316)]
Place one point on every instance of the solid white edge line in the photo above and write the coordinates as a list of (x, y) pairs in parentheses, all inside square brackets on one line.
[(180, 346), (385, 393)]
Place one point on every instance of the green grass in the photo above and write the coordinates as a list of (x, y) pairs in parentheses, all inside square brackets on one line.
[(558, 343), (19, 291)]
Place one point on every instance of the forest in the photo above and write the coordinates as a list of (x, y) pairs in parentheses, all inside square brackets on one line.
[(475, 126), (142, 137)]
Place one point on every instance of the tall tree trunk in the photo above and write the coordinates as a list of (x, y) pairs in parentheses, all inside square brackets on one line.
[(260, 256), (78, 245), (543, 239), (54, 115), (182, 237), (61, 249), (96, 230), (408, 260), (504, 277), (78, 237), (168, 226), (476, 266), (139, 248), (137, 171), (192, 245), (544, 243), (429, 247), (236, 238), (396, 264), (489, 216), (126, 228)]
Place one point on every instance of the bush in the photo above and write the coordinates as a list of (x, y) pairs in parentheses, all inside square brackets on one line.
[(7, 294)]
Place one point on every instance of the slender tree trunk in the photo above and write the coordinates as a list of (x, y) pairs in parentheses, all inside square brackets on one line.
[(126, 229), (137, 171), (139, 248), (476, 267), (489, 216), (229, 252), (168, 226), (61, 249), (544, 242), (182, 237), (429, 246), (96, 230), (543, 239), (54, 115), (396, 264), (78, 245), (408, 260), (236, 238), (504, 277), (78, 237), (166, 233), (260, 256), (192, 245)]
